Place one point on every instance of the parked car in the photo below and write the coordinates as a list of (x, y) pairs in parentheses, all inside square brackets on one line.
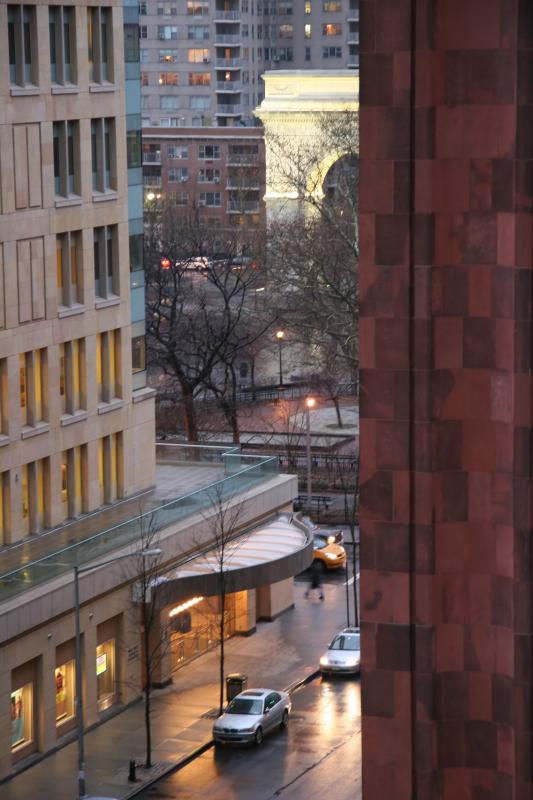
[(331, 534), (328, 555), (251, 715), (343, 656)]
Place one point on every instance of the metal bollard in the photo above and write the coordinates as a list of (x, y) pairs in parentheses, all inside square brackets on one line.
[(131, 775)]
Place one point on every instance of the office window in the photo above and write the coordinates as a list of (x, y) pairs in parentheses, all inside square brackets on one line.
[(198, 32), (169, 122), (106, 262), (198, 8), (307, 7), (133, 149), (332, 52), (169, 102), (167, 32), (108, 362), (142, 9), (65, 690), (72, 376), (73, 491), (100, 44), (143, 32), (211, 199), (168, 56), (4, 416), (136, 246), (4, 508), (34, 495), (198, 56), (167, 10), (307, 30), (199, 78), (178, 151), (33, 381), (66, 158), (178, 174), (62, 44), (103, 150), (332, 29), (138, 353), (209, 151), (131, 42), (168, 79), (332, 6), (144, 56), (199, 102), (69, 284), (209, 175), (145, 78), (285, 9), (285, 31), (308, 54), (22, 45)]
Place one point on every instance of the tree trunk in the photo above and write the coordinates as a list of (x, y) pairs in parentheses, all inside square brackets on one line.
[(222, 630), (252, 377), (338, 411), (147, 696), (191, 430)]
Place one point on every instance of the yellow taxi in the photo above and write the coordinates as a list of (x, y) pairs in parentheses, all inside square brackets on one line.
[(328, 554)]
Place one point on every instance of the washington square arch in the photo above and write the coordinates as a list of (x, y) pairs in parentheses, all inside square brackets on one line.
[(292, 112)]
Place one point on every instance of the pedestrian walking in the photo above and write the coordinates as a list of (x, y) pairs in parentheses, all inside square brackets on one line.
[(316, 580)]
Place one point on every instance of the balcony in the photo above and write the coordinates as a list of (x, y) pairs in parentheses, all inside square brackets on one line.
[(353, 62), (242, 159), (228, 63), (152, 180), (228, 86), (226, 38), (152, 157), (188, 477), (242, 185), (244, 207), (353, 37), (226, 16), (228, 110)]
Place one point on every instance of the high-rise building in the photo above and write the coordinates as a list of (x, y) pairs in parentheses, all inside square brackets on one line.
[(71, 210), (201, 60)]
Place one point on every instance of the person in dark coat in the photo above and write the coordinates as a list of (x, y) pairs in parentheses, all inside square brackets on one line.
[(316, 580)]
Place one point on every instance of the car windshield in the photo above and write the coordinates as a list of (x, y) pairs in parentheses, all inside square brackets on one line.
[(319, 542), (342, 642), (245, 705)]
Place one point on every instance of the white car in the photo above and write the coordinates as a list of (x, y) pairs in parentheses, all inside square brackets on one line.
[(251, 715), (343, 656)]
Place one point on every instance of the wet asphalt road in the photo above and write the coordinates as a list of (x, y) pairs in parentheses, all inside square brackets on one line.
[(320, 749)]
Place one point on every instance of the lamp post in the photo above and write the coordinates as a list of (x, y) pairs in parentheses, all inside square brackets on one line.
[(153, 553), (279, 337), (309, 404)]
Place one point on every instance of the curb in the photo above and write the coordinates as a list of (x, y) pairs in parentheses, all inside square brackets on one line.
[(290, 689)]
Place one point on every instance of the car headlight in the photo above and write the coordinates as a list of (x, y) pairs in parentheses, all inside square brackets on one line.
[(247, 730), (333, 556), (324, 661), (331, 539), (352, 662)]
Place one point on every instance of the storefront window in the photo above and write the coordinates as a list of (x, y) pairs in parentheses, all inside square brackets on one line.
[(105, 673), (22, 716), (65, 692)]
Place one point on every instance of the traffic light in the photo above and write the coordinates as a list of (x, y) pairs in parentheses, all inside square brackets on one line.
[(165, 263)]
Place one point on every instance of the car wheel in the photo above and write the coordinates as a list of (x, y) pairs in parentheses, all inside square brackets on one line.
[(285, 718), (319, 565), (258, 738)]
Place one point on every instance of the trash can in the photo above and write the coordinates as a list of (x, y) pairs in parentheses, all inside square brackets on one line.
[(235, 684)]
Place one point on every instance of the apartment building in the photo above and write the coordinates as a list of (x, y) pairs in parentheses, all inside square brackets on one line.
[(218, 170), (202, 60), (71, 206)]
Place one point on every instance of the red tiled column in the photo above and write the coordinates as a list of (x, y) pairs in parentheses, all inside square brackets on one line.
[(446, 293)]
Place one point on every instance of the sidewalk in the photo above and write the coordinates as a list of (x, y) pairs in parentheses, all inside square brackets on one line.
[(277, 655)]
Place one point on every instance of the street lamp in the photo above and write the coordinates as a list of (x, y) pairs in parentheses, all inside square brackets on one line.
[(279, 337), (152, 553), (309, 404)]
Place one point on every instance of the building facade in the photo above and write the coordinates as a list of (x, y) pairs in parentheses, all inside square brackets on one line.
[(202, 60), (71, 416), (220, 172), (446, 395)]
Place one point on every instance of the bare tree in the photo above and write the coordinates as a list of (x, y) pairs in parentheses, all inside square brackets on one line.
[(223, 518), (200, 315)]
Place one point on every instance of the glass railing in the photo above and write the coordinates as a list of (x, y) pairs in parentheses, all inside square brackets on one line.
[(241, 472)]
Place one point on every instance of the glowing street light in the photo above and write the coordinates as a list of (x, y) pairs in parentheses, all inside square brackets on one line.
[(309, 404), (279, 337)]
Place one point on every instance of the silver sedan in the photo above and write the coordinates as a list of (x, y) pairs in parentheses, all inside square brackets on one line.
[(343, 656), (251, 715)]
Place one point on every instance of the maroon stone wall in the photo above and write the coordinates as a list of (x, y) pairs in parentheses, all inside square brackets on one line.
[(446, 402)]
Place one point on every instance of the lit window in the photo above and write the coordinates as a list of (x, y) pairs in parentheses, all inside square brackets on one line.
[(332, 29), (307, 30), (198, 56), (22, 716), (199, 78), (168, 79)]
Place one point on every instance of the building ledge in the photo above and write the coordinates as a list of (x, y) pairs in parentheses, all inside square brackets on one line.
[(34, 430), (24, 91), (70, 419), (4, 440), (103, 197), (70, 311), (102, 87), (113, 405), (106, 302), (143, 394), (67, 88), (72, 200)]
